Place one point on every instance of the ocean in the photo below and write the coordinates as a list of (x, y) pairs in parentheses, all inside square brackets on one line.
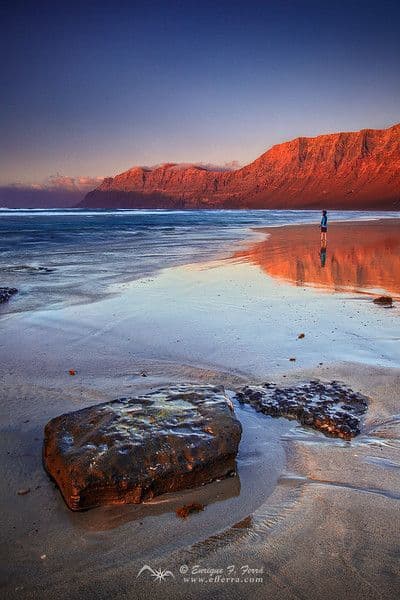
[(56, 257)]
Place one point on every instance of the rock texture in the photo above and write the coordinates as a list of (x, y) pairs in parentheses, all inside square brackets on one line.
[(130, 450), (341, 170), (332, 408), (6, 293)]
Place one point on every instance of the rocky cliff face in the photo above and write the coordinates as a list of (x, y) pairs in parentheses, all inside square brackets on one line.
[(342, 170)]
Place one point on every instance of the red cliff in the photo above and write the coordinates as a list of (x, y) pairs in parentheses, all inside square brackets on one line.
[(356, 170)]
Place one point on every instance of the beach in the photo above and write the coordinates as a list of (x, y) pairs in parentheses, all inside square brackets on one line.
[(307, 516)]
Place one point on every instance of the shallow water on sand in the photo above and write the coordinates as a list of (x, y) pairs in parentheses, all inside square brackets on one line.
[(57, 257), (362, 257)]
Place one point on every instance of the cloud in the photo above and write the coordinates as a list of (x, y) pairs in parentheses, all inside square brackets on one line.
[(82, 183), (61, 182), (228, 166), (233, 165), (88, 181), (56, 191)]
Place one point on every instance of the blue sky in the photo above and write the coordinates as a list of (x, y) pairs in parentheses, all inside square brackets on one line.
[(90, 89)]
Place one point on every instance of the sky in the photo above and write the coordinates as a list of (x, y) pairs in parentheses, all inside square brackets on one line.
[(89, 89)]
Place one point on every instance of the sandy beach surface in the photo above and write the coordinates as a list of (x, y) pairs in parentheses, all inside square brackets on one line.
[(307, 516)]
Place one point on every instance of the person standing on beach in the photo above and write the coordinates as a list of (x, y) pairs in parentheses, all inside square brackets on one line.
[(324, 228)]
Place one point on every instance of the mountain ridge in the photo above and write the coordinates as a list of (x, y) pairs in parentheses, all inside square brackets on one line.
[(358, 169)]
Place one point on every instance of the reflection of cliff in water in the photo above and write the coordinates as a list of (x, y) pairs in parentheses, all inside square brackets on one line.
[(359, 256)]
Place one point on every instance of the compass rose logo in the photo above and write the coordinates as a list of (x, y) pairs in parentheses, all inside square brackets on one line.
[(158, 574)]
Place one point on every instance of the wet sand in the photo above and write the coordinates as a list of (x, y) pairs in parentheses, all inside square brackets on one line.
[(362, 257), (319, 517)]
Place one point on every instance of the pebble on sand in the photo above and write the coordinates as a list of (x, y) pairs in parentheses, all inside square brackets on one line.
[(383, 300), (184, 511), (6, 293)]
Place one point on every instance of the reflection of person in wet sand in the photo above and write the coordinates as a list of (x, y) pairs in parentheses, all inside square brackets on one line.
[(323, 255), (324, 228)]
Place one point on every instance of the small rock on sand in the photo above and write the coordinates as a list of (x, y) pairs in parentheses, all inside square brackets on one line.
[(383, 300), (184, 511), (6, 293)]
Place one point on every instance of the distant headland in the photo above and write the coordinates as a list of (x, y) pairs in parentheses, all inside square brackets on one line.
[(351, 170)]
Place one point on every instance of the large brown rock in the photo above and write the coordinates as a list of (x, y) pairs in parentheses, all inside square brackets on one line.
[(132, 449)]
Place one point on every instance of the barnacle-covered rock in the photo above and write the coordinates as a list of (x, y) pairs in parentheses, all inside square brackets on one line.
[(6, 293), (332, 408)]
